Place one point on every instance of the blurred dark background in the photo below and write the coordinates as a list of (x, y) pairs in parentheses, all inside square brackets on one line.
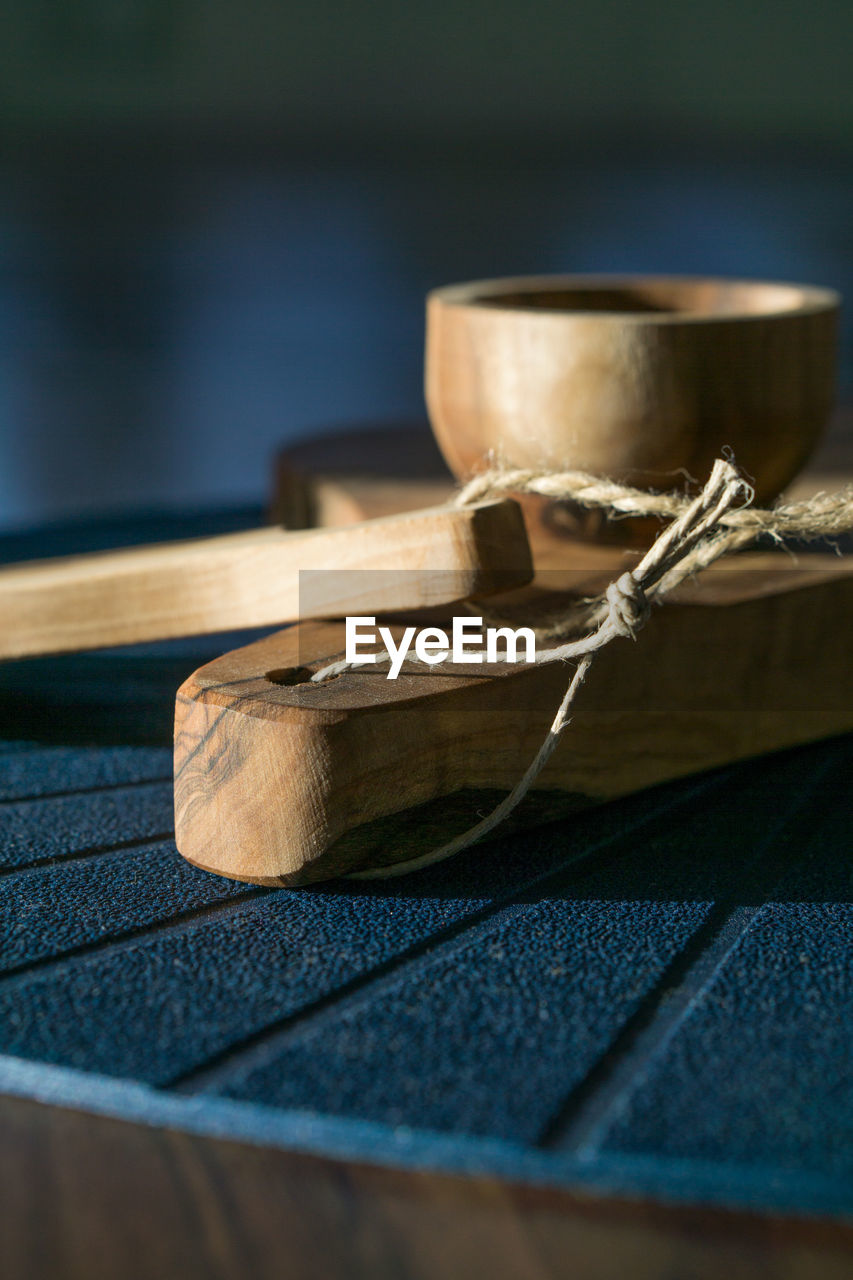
[(218, 220)]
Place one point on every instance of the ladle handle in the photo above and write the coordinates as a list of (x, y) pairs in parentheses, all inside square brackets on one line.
[(252, 579)]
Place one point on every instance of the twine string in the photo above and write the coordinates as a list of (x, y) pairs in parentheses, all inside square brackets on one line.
[(823, 516)]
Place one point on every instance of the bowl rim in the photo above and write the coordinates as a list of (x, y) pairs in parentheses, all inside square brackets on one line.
[(484, 296)]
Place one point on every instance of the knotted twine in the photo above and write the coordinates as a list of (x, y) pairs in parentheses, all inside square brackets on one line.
[(718, 521)]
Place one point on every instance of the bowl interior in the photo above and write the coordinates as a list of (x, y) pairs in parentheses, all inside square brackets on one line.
[(685, 299)]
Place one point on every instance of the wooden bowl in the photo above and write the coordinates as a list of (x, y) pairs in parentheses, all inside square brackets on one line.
[(639, 378)]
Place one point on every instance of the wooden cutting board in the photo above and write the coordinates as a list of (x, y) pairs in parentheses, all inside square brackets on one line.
[(280, 781)]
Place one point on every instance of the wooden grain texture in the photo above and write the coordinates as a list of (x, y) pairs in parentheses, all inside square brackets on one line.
[(636, 378), (253, 579), (279, 781), (91, 1198)]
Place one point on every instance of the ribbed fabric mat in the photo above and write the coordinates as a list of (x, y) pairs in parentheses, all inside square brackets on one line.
[(653, 998)]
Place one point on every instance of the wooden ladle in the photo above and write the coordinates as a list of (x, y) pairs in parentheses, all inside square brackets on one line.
[(637, 378)]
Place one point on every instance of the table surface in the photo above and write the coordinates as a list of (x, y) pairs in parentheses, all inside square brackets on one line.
[(649, 1004)]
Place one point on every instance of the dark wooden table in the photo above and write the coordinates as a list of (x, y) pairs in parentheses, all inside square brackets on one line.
[(619, 1046)]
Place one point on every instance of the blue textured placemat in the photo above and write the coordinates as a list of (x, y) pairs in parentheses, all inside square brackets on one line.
[(653, 998)]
